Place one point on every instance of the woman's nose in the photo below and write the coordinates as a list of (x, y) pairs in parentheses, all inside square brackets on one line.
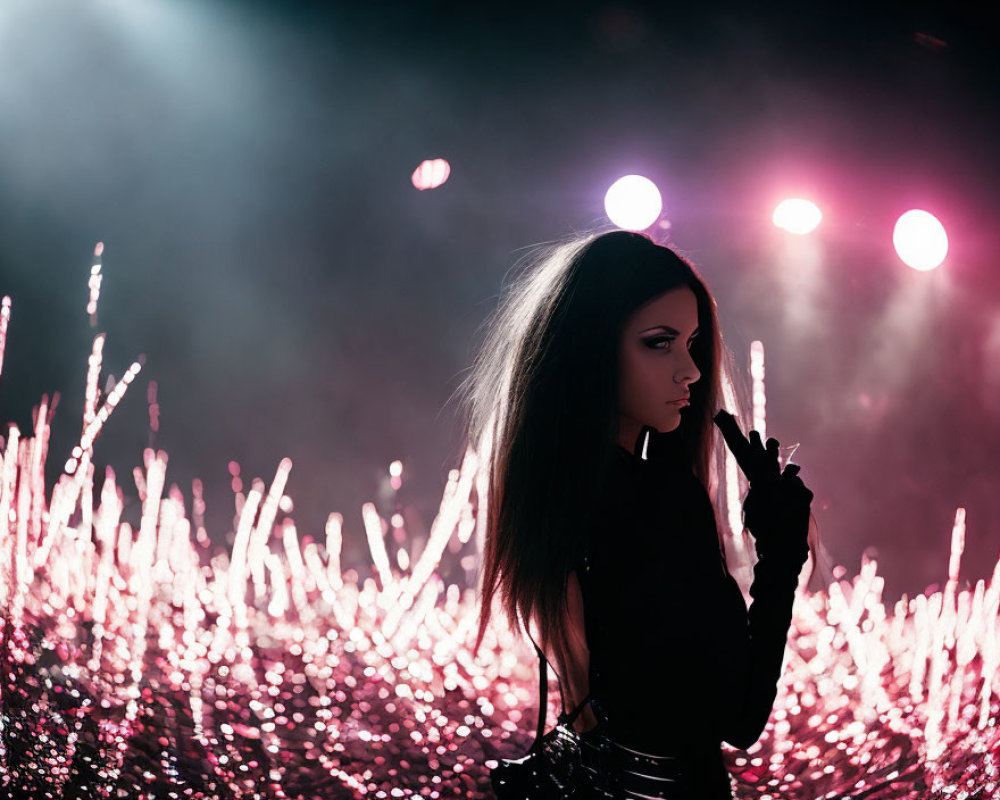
[(689, 373)]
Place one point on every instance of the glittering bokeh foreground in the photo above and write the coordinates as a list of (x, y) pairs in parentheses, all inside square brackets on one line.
[(148, 663)]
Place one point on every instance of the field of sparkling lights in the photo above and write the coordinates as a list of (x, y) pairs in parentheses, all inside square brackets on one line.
[(148, 663)]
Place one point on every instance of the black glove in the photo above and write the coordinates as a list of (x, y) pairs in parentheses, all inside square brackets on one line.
[(776, 509)]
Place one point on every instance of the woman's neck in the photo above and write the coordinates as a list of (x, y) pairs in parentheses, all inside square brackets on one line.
[(629, 430)]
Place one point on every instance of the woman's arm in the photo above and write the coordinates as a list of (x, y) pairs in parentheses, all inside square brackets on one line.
[(776, 512), (573, 677), (576, 684), (756, 668)]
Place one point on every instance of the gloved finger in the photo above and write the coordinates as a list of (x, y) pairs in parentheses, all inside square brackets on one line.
[(790, 478), (773, 463), (793, 484), (735, 440), (791, 470), (766, 467)]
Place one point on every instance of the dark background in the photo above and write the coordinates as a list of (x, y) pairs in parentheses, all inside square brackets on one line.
[(247, 166)]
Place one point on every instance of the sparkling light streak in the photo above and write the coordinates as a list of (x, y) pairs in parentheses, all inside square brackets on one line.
[(758, 399), (4, 320), (148, 664), (154, 408), (95, 284)]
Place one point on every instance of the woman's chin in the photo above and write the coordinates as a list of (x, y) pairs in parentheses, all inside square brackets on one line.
[(666, 426), (676, 421)]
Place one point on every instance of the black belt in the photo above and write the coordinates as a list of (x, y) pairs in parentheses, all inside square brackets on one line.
[(646, 775), (635, 774)]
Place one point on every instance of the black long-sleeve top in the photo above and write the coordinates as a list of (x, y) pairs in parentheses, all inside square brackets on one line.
[(677, 661)]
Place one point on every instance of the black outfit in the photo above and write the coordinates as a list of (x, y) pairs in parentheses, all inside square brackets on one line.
[(677, 661)]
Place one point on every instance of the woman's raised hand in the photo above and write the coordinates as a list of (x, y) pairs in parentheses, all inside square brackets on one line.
[(757, 461), (776, 509)]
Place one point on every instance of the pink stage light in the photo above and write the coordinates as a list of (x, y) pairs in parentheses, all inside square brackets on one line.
[(633, 203), (798, 216), (431, 173), (920, 240)]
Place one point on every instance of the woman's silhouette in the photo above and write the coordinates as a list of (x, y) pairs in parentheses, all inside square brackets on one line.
[(592, 400)]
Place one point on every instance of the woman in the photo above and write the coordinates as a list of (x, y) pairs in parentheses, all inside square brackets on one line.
[(593, 399)]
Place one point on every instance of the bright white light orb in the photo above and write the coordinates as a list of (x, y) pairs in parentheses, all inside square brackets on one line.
[(920, 240), (798, 216), (633, 203), (431, 173)]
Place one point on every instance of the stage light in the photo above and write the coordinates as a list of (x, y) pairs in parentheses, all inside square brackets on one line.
[(431, 173), (633, 203), (796, 215), (920, 240)]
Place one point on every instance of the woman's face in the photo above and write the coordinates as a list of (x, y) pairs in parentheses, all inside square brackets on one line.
[(655, 365)]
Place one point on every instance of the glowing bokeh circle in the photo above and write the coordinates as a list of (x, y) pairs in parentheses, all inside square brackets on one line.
[(633, 203), (431, 173), (796, 215), (920, 240)]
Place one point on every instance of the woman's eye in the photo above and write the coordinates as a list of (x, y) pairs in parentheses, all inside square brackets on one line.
[(657, 341)]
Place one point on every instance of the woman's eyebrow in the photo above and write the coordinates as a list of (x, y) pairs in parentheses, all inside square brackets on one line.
[(668, 329)]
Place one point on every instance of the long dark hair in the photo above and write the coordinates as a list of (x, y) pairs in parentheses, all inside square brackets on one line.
[(542, 412)]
